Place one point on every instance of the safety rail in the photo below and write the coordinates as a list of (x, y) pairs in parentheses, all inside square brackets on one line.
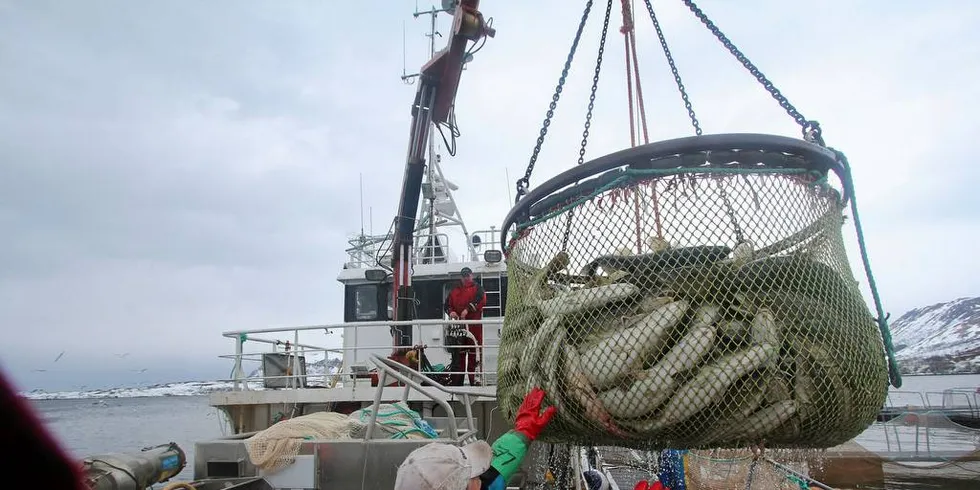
[(964, 401), (488, 240), (405, 375), (363, 252), (924, 434), (296, 350)]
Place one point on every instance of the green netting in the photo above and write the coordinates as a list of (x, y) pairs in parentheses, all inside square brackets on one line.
[(692, 308)]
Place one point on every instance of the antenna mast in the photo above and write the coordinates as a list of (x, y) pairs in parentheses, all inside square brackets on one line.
[(436, 189), (360, 178)]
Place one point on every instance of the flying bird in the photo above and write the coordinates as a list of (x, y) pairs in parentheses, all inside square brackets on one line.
[(59, 356)]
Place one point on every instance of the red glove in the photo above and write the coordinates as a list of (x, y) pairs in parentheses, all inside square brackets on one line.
[(530, 421), (645, 485)]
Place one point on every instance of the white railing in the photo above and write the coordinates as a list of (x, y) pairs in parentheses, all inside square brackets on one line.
[(489, 240), (295, 350), (427, 251), (363, 253), (953, 400)]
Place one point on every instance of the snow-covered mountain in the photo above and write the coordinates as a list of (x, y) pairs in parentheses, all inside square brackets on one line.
[(939, 339), (314, 371)]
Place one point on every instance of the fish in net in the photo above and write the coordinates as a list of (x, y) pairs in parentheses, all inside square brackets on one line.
[(702, 305)]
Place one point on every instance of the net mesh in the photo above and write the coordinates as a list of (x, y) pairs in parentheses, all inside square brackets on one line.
[(696, 307), (276, 447), (727, 469)]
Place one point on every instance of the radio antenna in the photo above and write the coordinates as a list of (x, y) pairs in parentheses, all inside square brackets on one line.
[(361, 179)]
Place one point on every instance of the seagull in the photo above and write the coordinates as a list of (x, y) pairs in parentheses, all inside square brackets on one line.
[(122, 355)]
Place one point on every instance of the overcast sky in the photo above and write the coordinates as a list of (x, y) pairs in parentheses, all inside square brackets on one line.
[(173, 170)]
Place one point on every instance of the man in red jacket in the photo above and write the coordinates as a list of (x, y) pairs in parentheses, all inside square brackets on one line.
[(466, 302)]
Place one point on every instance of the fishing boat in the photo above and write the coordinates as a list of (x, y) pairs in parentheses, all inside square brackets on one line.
[(385, 369)]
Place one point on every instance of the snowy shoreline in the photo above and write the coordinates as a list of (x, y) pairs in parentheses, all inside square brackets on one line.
[(184, 388)]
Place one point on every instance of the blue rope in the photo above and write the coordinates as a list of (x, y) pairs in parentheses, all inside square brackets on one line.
[(894, 373)]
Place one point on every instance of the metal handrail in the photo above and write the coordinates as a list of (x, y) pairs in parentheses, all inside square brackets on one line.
[(375, 323), (391, 368), (240, 336), (363, 250)]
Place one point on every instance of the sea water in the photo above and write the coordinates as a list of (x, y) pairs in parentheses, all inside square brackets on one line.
[(88, 427)]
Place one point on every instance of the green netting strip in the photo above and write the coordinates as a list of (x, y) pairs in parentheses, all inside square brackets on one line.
[(631, 175), (893, 370), (398, 410)]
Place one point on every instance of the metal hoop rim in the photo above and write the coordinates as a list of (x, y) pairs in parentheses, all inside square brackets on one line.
[(820, 157)]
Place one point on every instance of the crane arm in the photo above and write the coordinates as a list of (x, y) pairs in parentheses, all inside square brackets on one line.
[(438, 81)]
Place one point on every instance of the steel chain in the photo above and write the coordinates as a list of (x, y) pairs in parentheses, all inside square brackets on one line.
[(811, 129), (588, 114), (523, 182), (595, 84), (673, 69)]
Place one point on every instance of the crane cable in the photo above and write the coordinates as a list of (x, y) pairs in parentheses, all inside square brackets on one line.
[(633, 72)]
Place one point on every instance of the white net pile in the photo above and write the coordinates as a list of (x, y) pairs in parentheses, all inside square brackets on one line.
[(276, 447)]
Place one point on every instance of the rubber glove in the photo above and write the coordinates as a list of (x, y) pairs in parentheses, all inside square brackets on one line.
[(530, 420), (510, 448), (646, 485)]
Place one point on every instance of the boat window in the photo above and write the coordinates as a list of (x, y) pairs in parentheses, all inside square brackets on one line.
[(366, 302)]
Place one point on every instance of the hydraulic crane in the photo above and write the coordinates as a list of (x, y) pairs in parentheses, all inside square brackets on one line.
[(434, 102)]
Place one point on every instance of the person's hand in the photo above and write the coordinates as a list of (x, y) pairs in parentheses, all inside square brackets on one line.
[(530, 420), (464, 314), (453, 315)]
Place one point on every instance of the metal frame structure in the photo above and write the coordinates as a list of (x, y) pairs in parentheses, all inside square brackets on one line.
[(666, 154)]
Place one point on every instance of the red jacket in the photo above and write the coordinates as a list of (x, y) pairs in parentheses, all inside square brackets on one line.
[(463, 297)]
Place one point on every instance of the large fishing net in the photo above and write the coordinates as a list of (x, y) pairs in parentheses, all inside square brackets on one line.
[(691, 299), (276, 447)]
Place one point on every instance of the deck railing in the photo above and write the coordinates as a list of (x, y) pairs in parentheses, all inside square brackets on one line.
[(364, 249), (964, 401), (286, 341)]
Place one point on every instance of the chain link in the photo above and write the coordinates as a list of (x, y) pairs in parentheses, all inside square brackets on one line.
[(673, 69), (595, 84), (523, 182), (811, 129), (588, 115)]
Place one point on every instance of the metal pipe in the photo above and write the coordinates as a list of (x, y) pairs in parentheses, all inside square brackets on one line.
[(395, 369), (468, 404), (295, 382), (238, 361), (375, 405)]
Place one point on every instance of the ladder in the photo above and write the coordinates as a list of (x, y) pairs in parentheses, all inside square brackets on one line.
[(491, 284)]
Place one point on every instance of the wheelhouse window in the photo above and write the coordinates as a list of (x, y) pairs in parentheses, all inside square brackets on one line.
[(366, 302)]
